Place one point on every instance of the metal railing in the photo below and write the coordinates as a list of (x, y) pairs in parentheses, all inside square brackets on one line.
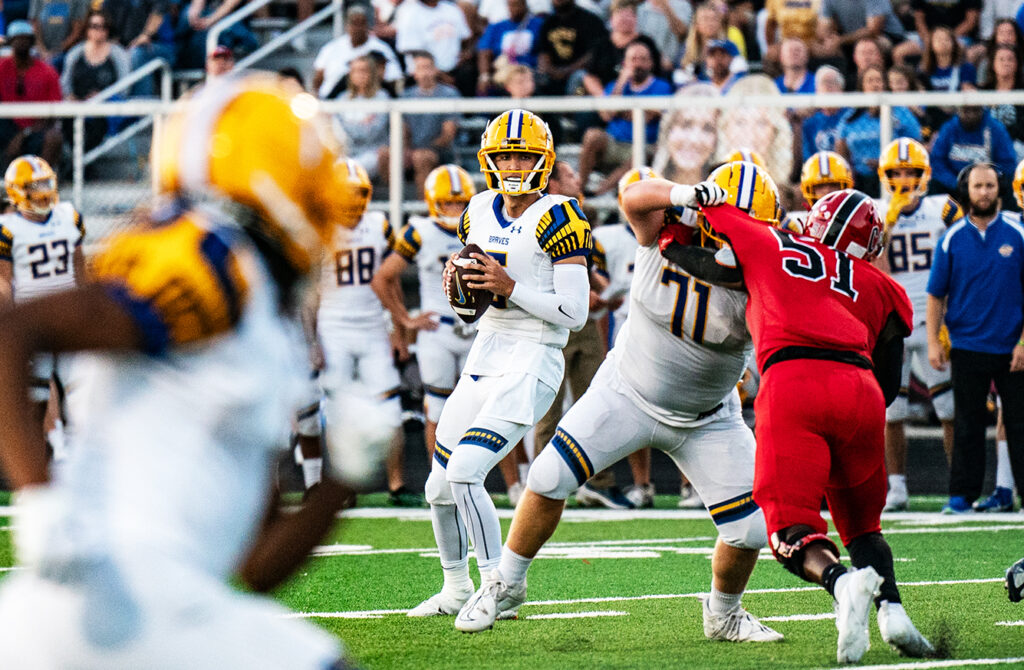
[(214, 33), (397, 109)]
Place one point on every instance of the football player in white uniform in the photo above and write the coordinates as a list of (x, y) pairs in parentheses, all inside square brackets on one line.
[(190, 369), (535, 264), (914, 222), (669, 382), (352, 329), (443, 341), (40, 253)]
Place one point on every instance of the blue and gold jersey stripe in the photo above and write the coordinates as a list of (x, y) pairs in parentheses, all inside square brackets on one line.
[(389, 233), (599, 258), (733, 509), (481, 437), (574, 456), (951, 212), (80, 225), (408, 243), (463, 230), (442, 454), (6, 243), (563, 232)]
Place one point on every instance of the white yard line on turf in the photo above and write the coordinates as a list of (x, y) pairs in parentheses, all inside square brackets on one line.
[(366, 614), (577, 615), (798, 617), (1010, 623), (952, 663)]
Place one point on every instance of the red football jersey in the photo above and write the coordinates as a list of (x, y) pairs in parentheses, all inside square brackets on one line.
[(803, 293)]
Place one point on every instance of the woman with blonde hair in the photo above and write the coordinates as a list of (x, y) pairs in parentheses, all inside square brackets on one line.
[(765, 130), (687, 137), (366, 132), (709, 23)]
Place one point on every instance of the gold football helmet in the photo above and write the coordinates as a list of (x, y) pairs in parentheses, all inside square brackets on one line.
[(904, 153), (31, 185), (748, 155), (262, 142), (357, 190), (1018, 183), (825, 168), (447, 184), (520, 131), (750, 189), (635, 175)]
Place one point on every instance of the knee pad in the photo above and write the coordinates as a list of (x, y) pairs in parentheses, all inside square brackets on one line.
[(790, 543), (750, 532), (432, 406), (437, 491), (470, 465), (307, 421), (551, 477)]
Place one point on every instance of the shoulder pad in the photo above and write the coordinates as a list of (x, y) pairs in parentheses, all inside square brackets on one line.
[(6, 242), (463, 230), (180, 280), (563, 231), (409, 242), (951, 211)]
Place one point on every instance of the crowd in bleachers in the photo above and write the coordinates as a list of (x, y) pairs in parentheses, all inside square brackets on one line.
[(518, 48)]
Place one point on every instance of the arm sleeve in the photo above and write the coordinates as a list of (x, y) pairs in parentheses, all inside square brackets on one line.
[(887, 357), (568, 306), (701, 263)]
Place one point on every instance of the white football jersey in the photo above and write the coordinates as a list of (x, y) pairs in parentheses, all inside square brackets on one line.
[(346, 299), (912, 242), (428, 244), (41, 253), (615, 249), (685, 344), (509, 338)]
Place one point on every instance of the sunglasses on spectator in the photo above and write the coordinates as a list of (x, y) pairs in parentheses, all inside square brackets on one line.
[(98, 25)]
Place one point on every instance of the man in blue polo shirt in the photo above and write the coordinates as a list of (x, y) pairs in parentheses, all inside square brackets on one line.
[(977, 285)]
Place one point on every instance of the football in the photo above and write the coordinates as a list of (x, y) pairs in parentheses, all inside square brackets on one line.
[(468, 303)]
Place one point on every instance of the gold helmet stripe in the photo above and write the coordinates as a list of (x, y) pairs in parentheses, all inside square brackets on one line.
[(514, 129), (745, 192), (824, 164)]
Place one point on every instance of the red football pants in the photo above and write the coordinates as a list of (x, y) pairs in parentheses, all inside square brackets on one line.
[(820, 432)]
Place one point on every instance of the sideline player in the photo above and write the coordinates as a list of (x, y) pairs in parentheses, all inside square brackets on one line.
[(681, 335), (914, 223), (535, 264), (40, 253), (351, 328), (822, 318), (821, 174), (187, 388)]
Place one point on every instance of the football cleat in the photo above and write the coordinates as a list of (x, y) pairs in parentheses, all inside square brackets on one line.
[(737, 626), (517, 130), (1001, 500), (689, 498), (611, 497), (1015, 581), (896, 501), (495, 599), (957, 505), (444, 603), (855, 591), (642, 496), (899, 632), (31, 185)]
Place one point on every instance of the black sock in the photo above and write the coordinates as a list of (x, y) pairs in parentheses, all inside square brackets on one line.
[(872, 550), (829, 576)]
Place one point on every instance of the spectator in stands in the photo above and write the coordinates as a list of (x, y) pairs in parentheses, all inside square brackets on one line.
[(517, 81), (943, 67), (667, 23), (197, 19), (972, 136), (1005, 33), (496, 11), (765, 131), (960, 16), (568, 41), (438, 27), (429, 137), (992, 13), (688, 137), (859, 133), (366, 132), (820, 130), (92, 66), (795, 77), (608, 59), (25, 78), (508, 42), (1004, 74), (790, 19), (332, 63), (843, 22), (976, 288), (867, 52), (144, 29), (219, 63), (708, 26), (717, 67), (59, 25), (903, 79), (612, 146)]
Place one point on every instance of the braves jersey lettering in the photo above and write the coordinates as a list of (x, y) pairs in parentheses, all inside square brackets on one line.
[(346, 299), (41, 252)]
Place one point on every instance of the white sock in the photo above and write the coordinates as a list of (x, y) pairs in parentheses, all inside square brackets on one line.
[(312, 469), (723, 603), (481, 520), (452, 544), (513, 566), (1004, 473), (898, 484), (56, 439)]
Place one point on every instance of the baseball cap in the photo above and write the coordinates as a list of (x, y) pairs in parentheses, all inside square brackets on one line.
[(725, 45), (222, 52), (20, 29)]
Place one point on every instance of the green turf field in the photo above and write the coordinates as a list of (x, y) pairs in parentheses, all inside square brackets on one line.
[(639, 577)]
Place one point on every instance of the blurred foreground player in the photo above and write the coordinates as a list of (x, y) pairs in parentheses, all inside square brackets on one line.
[(822, 319), (190, 367)]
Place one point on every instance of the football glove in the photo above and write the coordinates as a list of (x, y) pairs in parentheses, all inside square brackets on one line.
[(704, 194), (899, 201)]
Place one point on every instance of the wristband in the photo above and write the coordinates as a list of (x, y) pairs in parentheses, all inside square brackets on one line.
[(682, 195)]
